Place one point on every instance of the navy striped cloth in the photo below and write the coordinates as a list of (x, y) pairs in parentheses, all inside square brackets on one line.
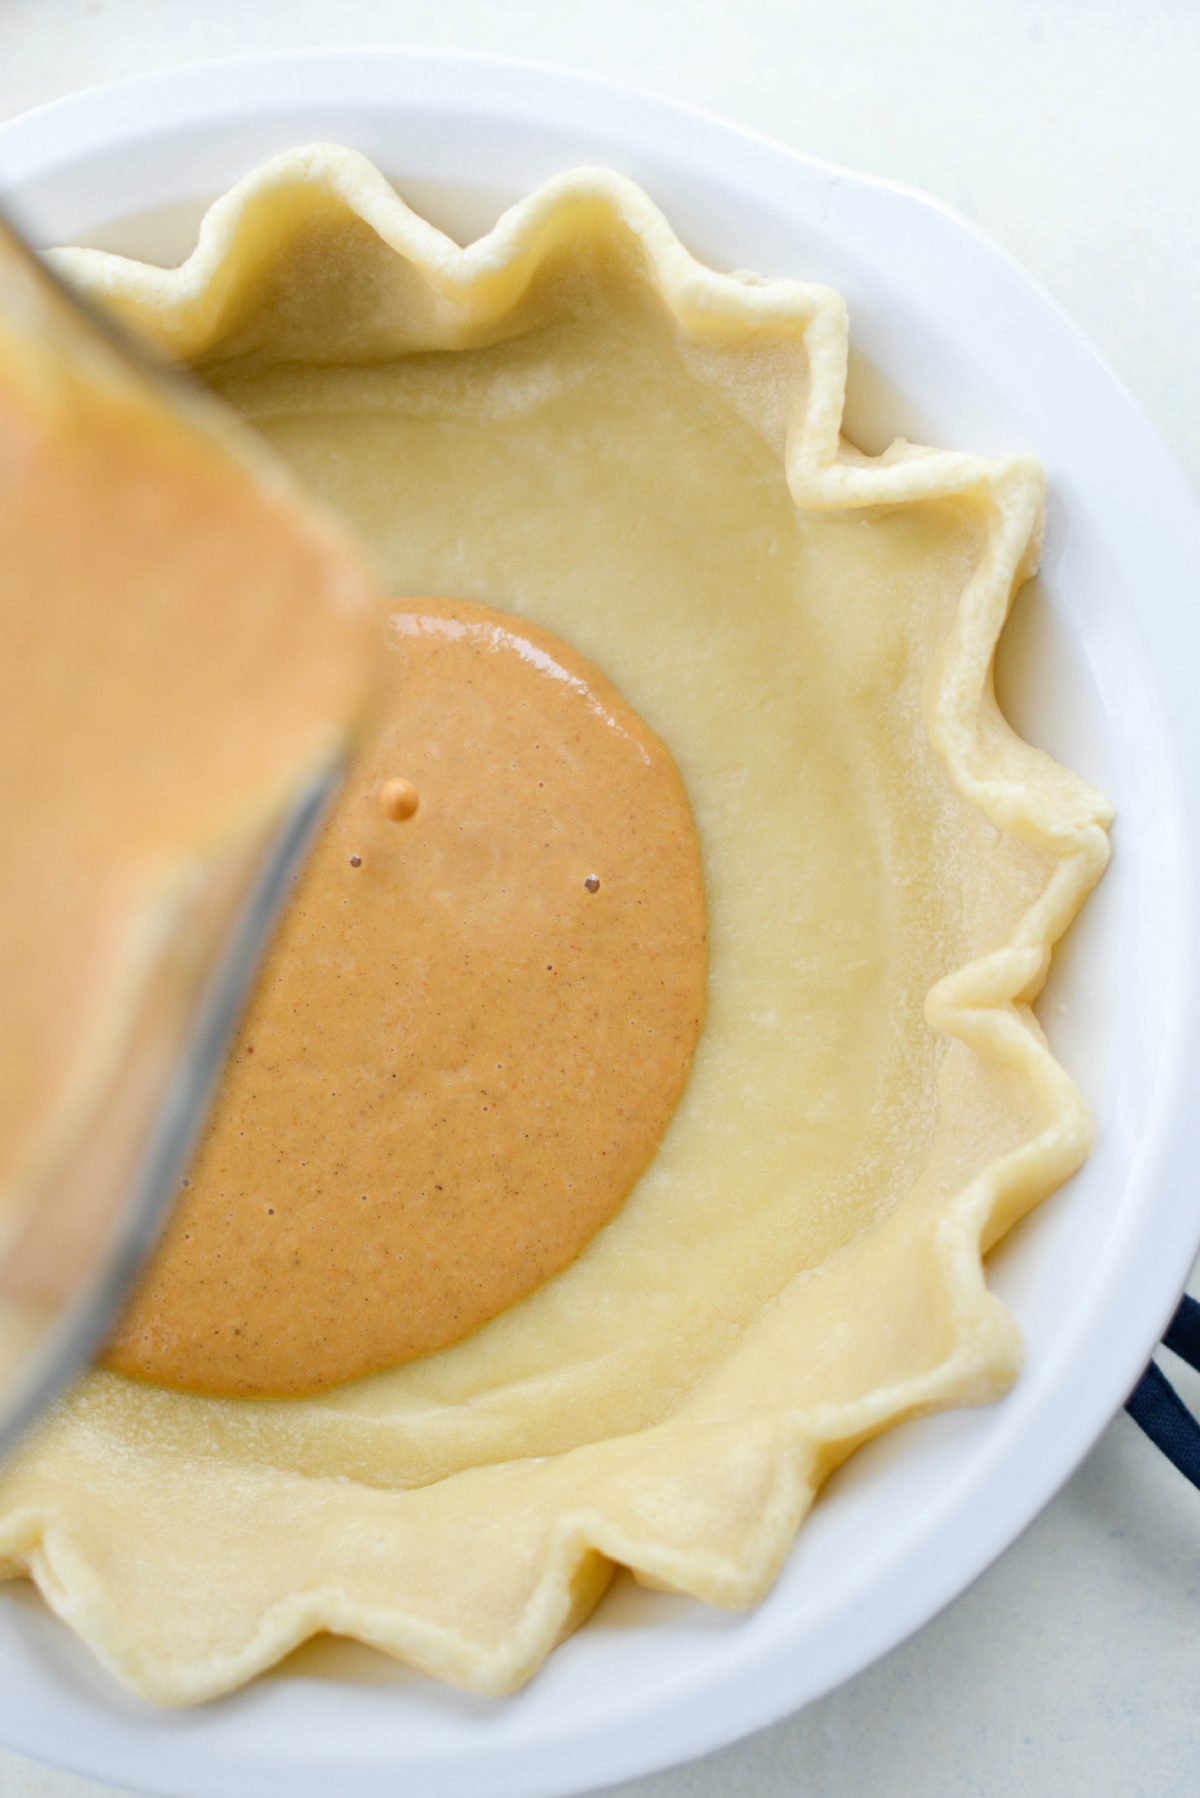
[(1157, 1408)]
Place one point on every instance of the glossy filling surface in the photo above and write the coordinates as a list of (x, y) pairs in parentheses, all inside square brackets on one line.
[(468, 1039)]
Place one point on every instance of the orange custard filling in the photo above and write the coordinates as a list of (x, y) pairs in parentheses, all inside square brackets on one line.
[(469, 1037)]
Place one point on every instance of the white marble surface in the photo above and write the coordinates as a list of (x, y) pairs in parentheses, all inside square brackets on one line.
[(1071, 132)]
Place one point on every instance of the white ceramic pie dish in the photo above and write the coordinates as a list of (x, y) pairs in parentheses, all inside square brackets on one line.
[(966, 353)]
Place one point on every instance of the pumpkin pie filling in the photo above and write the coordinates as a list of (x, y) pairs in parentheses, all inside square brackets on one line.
[(468, 1038)]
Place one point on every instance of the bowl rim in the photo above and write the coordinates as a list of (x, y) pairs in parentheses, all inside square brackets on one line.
[(1133, 1289)]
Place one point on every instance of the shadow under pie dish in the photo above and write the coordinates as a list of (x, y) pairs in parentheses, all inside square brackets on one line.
[(575, 424)]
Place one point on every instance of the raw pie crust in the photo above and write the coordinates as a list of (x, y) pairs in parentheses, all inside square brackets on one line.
[(575, 421)]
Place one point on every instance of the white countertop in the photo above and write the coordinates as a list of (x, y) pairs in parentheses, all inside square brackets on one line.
[(1071, 133)]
